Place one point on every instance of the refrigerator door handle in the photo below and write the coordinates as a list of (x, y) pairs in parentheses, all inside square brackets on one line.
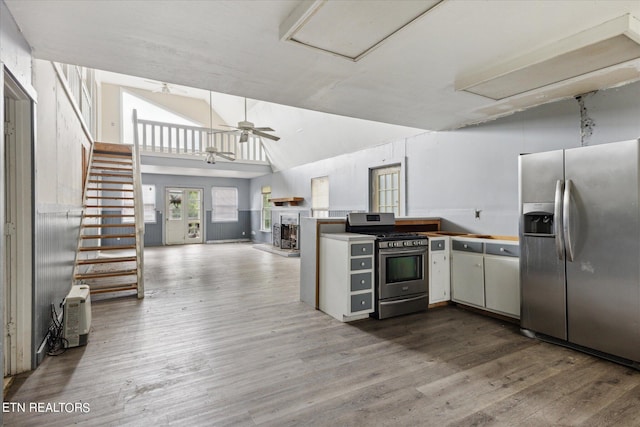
[(566, 219), (558, 221)]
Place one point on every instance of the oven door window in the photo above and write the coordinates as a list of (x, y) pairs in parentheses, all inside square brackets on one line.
[(403, 268)]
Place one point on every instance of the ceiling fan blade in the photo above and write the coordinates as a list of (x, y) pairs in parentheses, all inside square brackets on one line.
[(265, 135), (214, 131), (267, 129), (227, 155)]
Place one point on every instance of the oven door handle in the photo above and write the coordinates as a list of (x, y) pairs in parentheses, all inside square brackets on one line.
[(403, 252), (400, 301)]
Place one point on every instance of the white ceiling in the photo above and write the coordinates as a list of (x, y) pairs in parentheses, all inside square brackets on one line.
[(235, 47)]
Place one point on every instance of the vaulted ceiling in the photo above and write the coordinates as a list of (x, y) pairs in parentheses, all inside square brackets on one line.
[(407, 77)]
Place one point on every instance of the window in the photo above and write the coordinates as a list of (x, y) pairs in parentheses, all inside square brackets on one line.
[(385, 189), (265, 216), (149, 201), (320, 197), (224, 204)]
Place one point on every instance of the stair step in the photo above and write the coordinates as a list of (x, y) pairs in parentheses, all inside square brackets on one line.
[(114, 288), (106, 248), (109, 189), (101, 275), (109, 206), (123, 225), (110, 147), (105, 260), (110, 168), (112, 162), (107, 236), (110, 198), (99, 181), (109, 215), (120, 175)]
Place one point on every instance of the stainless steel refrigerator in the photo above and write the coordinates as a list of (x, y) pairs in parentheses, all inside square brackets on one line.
[(580, 247)]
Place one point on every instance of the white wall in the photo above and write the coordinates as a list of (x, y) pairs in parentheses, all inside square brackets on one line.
[(193, 109), (452, 174), (60, 140)]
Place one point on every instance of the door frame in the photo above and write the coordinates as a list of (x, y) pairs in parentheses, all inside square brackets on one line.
[(185, 218), (18, 307)]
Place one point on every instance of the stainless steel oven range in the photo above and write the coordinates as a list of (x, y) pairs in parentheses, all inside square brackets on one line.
[(401, 264)]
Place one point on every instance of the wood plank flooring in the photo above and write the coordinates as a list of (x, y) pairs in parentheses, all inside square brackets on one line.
[(221, 339)]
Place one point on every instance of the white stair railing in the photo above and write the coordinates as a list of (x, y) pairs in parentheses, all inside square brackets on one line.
[(169, 138), (138, 209)]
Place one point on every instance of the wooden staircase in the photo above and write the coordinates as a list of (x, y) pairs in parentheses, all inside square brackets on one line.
[(109, 255)]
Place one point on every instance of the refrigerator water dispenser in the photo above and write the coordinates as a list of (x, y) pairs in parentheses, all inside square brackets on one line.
[(538, 218)]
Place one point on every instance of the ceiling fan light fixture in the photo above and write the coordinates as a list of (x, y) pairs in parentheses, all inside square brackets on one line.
[(244, 136)]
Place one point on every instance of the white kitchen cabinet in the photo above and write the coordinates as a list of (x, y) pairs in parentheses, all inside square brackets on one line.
[(485, 273), (467, 271), (502, 278), (346, 275), (439, 269)]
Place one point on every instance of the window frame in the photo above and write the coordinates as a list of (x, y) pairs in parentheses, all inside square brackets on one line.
[(233, 207), (265, 209), (374, 188), (321, 211)]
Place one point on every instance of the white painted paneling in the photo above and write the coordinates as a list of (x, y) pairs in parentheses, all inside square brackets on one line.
[(15, 52), (59, 141)]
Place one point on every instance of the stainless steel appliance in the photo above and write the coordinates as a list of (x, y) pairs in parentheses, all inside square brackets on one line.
[(401, 269), (580, 242)]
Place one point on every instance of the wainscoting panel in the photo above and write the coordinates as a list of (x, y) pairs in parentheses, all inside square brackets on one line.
[(153, 232), (55, 242), (228, 230)]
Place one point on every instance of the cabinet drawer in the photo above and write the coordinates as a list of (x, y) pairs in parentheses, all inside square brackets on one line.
[(467, 246), (503, 250), (361, 263), (437, 245), (361, 249), (361, 281), (361, 302)]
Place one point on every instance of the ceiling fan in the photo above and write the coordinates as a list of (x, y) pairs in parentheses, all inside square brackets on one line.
[(210, 150), (164, 87), (246, 127)]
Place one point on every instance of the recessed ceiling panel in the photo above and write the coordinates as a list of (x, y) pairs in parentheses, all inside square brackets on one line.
[(349, 28), (612, 43)]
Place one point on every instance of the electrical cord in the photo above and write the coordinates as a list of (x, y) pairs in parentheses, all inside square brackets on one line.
[(56, 343)]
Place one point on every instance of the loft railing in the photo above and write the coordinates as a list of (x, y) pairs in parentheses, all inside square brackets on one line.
[(169, 138)]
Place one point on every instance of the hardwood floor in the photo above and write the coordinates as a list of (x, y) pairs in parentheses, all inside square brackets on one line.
[(222, 340)]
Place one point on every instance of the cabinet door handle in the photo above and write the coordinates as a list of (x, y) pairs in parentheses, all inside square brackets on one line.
[(362, 263), (362, 281)]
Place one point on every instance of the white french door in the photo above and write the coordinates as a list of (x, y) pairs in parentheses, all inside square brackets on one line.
[(183, 213)]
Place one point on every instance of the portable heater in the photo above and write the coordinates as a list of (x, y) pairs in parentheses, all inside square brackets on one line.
[(77, 316)]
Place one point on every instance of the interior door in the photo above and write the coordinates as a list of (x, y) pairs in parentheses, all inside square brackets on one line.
[(603, 280), (183, 212)]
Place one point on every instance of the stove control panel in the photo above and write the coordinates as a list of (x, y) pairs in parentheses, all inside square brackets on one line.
[(402, 243)]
